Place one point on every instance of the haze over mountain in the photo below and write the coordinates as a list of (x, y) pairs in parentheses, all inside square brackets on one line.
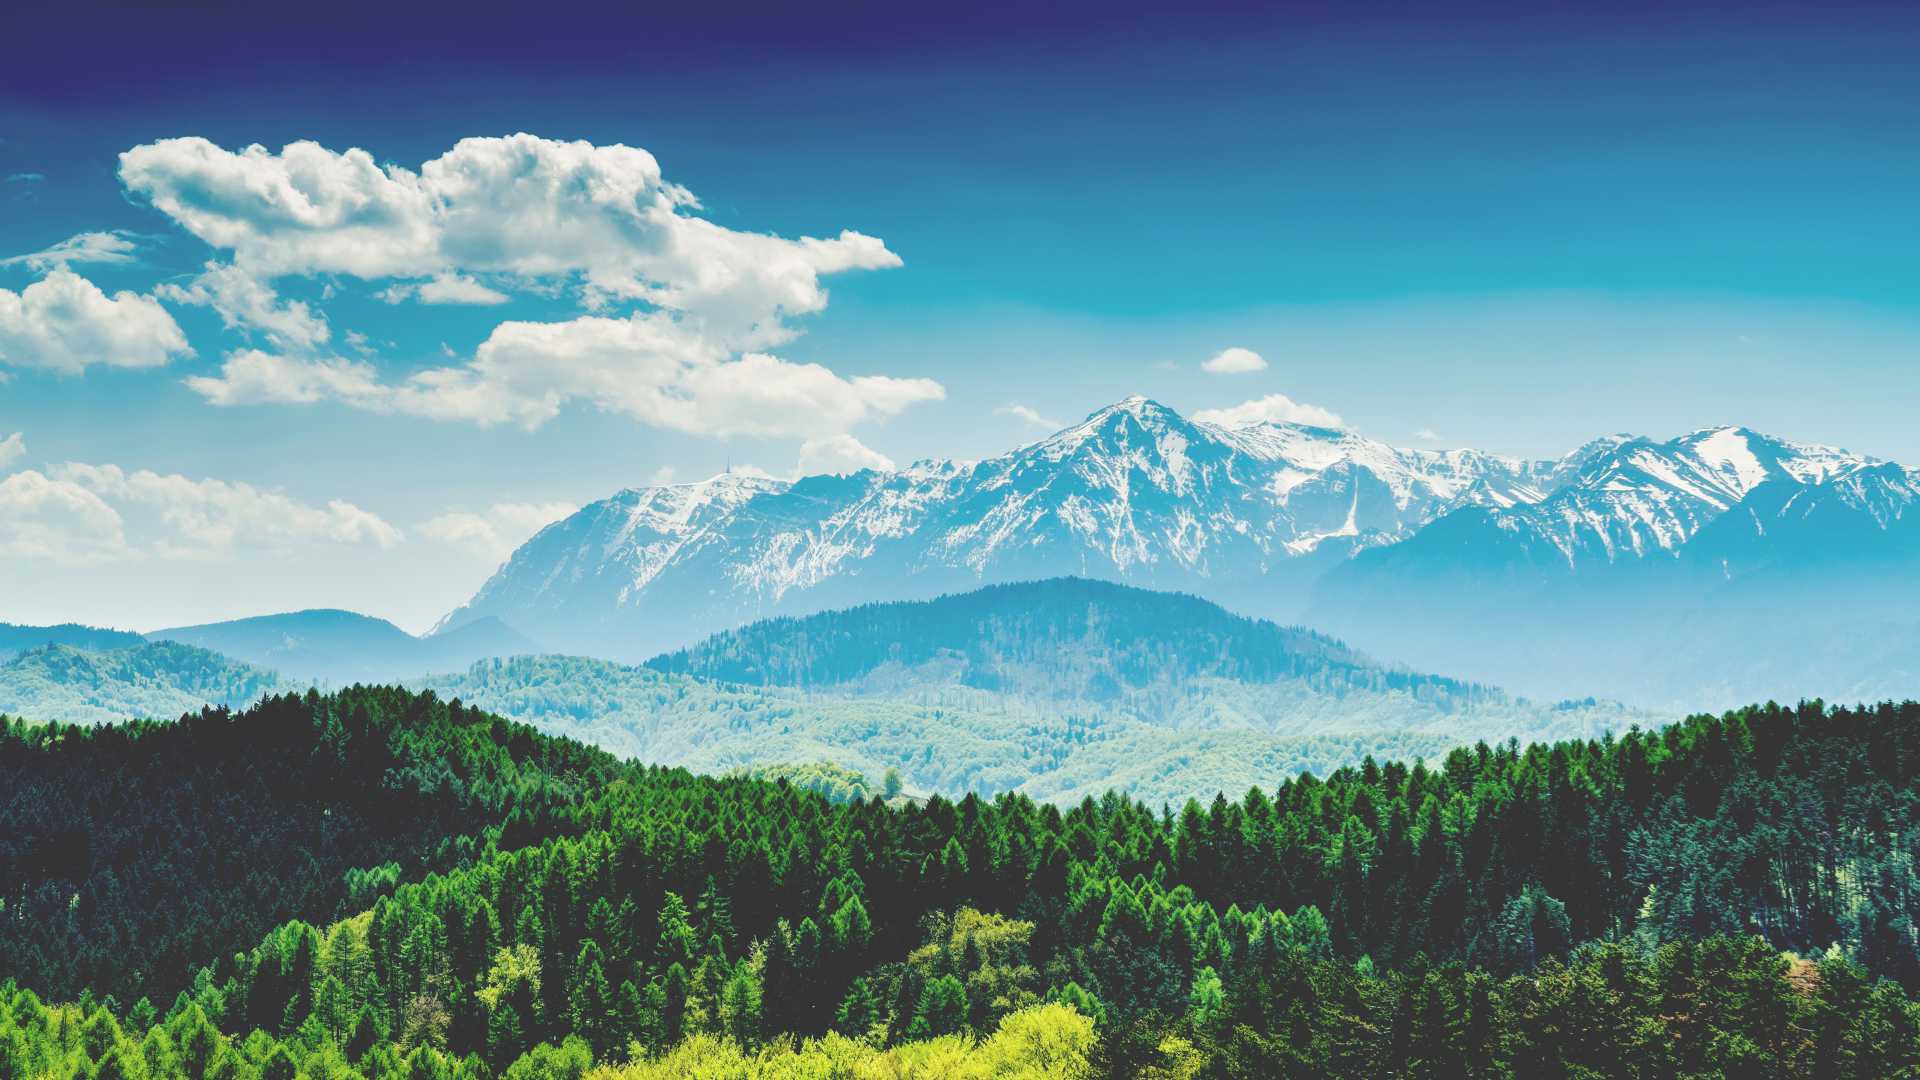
[(157, 680), (1658, 555), (1057, 689), (342, 647)]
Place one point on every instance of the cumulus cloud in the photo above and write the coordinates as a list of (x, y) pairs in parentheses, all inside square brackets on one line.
[(496, 531), (521, 205), (57, 521), (1234, 361), (445, 289), (64, 323), (1030, 416), (87, 247), (209, 518), (648, 366), (12, 449), (839, 455), (246, 302), (1272, 409), (598, 223)]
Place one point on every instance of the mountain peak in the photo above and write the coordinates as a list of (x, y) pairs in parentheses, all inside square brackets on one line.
[(1138, 406)]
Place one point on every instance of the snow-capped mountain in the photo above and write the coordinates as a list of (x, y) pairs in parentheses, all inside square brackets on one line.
[(1135, 493), (1278, 520), (1720, 566)]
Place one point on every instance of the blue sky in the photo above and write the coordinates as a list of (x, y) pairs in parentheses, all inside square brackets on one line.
[(1501, 228)]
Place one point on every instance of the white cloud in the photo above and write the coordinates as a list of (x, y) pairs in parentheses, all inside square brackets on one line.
[(1427, 434), (1030, 416), (1272, 409), (495, 532), (647, 366), (662, 476), (12, 449), (247, 302), (203, 519), (521, 206), (522, 214), (839, 455), (57, 521), (252, 377), (64, 323), (445, 289), (87, 247), (1234, 361)]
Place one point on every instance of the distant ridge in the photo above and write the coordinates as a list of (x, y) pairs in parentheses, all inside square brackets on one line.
[(342, 647), (15, 640), (1720, 566)]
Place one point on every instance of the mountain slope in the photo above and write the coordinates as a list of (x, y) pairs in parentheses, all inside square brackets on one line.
[(15, 640), (1718, 566), (1075, 643), (951, 743), (1135, 493), (155, 680), (1057, 689), (342, 647)]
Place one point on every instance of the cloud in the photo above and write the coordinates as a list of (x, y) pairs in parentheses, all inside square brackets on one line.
[(12, 449), (246, 302), (64, 323), (87, 247), (495, 532), (1427, 434), (647, 366), (839, 455), (1272, 409), (57, 521), (520, 206), (445, 289), (498, 215), (1234, 361), (25, 177), (206, 519), (1030, 416)]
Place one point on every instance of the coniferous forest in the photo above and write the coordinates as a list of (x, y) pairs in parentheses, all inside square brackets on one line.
[(377, 883)]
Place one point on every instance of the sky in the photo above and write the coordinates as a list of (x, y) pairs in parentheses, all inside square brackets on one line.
[(333, 308)]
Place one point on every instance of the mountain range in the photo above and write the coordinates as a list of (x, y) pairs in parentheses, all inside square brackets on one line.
[(1717, 566)]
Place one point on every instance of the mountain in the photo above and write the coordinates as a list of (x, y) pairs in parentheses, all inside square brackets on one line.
[(1717, 566), (1135, 493), (955, 741), (15, 640), (341, 647), (155, 680), (1628, 568), (1072, 644), (1058, 689)]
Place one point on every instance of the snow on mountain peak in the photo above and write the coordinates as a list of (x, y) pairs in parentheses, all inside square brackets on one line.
[(1134, 492)]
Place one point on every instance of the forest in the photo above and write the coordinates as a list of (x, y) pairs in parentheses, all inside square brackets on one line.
[(380, 883)]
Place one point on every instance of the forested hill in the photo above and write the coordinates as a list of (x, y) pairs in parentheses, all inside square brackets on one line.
[(1063, 639), (158, 679), (129, 852), (16, 639), (1612, 907)]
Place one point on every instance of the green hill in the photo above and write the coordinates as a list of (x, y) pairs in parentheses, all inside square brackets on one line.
[(1097, 648), (157, 679), (953, 742)]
